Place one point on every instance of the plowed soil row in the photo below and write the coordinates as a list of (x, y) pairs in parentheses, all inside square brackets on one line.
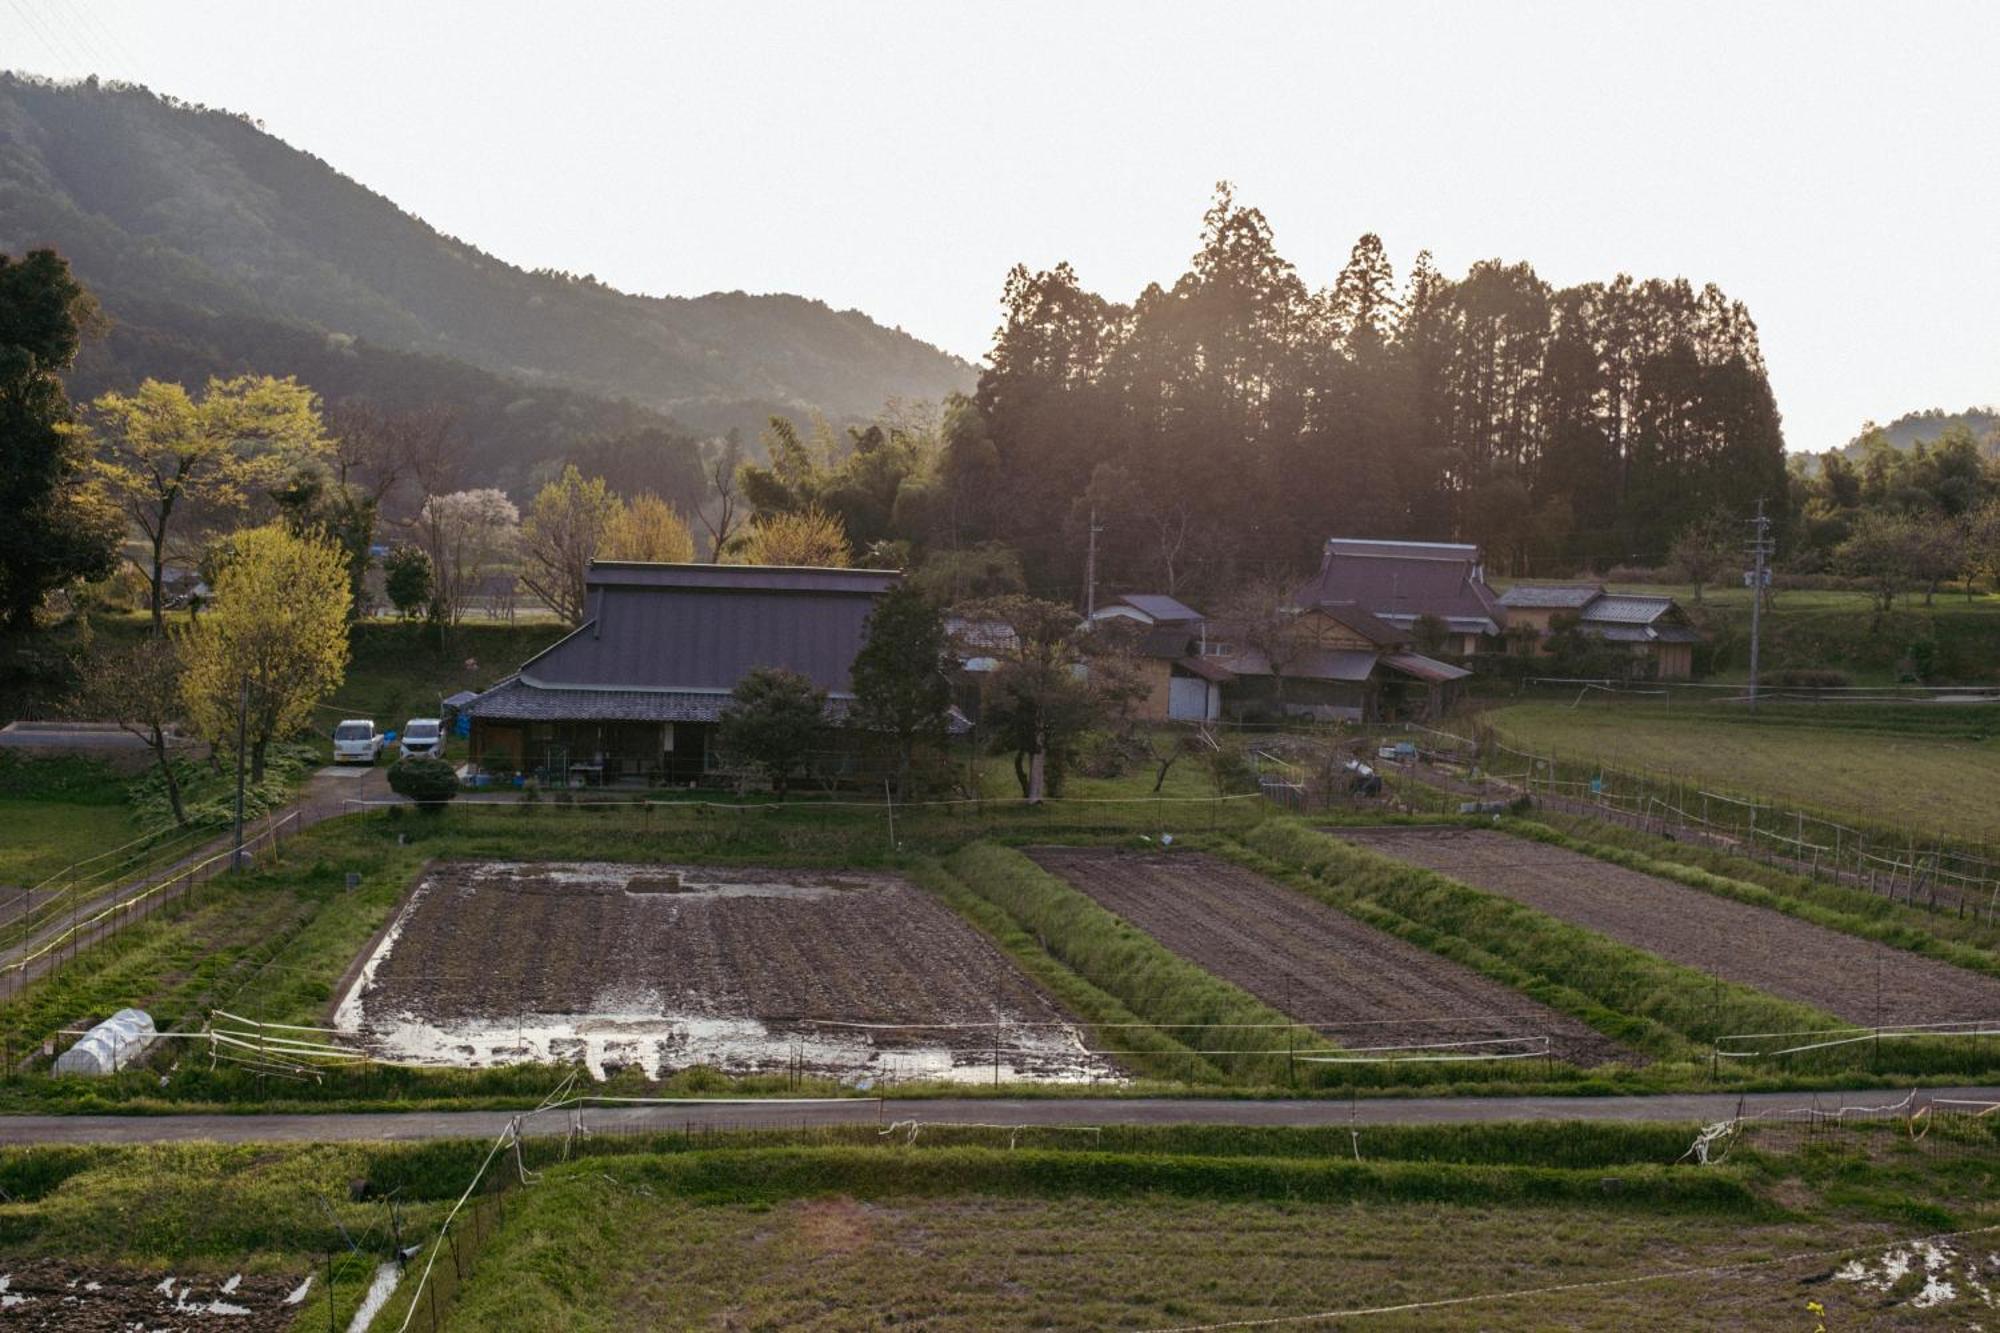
[(1859, 980), (1363, 986), (485, 940)]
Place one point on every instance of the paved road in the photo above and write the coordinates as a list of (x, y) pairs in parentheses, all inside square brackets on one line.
[(1689, 1108)]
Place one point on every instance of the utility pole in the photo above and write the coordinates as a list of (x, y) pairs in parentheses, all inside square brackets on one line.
[(1090, 569), (1760, 550), (242, 725)]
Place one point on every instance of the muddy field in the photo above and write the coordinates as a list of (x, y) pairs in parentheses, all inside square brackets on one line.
[(55, 1294), (1859, 980), (1361, 986), (666, 967)]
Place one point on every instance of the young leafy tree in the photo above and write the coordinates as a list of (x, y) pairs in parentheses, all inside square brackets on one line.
[(274, 645), (57, 527), (808, 537), (139, 688), (174, 462), (900, 684), (648, 528), (561, 536), (1705, 549), (1885, 550), (1045, 693), (406, 578), (772, 721)]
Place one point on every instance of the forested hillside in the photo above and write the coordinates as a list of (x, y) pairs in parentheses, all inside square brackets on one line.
[(1227, 423), (1928, 427), (185, 220)]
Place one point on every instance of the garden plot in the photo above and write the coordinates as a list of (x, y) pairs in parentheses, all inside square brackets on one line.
[(1859, 980), (858, 976), (1360, 986)]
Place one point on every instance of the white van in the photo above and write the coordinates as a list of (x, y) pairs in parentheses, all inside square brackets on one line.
[(356, 741), (423, 736)]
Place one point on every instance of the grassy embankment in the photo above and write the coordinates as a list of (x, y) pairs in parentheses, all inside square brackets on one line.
[(1154, 1226)]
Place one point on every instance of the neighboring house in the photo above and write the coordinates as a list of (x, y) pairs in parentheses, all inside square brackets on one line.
[(1402, 582), (1654, 628), (1337, 662), (636, 691), (1146, 608)]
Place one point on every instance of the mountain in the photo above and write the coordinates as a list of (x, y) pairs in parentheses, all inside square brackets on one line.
[(1914, 428), (188, 221)]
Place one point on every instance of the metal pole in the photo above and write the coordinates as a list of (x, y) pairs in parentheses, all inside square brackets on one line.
[(1759, 549), (242, 725)]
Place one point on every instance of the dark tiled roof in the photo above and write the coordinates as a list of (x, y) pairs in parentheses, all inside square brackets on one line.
[(515, 700), (1425, 668), (1208, 668), (1399, 580), (1459, 551), (1551, 597), (1321, 664), (1625, 609), (743, 578), (1160, 606), (701, 628), (1368, 625)]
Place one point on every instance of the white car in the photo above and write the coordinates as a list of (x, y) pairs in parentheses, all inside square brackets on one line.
[(422, 736), (356, 741)]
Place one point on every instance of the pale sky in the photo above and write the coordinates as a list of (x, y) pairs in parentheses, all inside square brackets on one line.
[(1830, 164)]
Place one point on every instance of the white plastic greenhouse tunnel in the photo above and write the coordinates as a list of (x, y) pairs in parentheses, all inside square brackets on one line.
[(111, 1046)]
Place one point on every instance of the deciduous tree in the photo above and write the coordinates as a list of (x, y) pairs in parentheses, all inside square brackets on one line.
[(648, 528), (808, 537), (139, 688), (561, 536), (180, 464), (465, 533), (274, 643), (1045, 693)]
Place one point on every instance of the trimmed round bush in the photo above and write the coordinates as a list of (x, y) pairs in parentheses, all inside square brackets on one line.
[(427, 781)]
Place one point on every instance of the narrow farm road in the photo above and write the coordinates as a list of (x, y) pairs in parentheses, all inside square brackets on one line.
[(1691, 1108)]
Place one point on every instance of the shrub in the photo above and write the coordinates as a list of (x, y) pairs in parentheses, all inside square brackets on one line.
[(427, 781)]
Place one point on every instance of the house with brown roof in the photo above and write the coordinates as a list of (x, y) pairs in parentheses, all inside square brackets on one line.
[(1402, 582), (1655, 629), (635, 692)]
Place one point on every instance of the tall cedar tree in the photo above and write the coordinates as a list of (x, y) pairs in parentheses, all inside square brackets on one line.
[(56, 528), (772, 722), (900, 685), (1226, 424)]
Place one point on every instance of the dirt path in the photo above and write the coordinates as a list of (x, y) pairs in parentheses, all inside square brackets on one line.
[(1859, 980), (1687, 1108), (1364, 987)]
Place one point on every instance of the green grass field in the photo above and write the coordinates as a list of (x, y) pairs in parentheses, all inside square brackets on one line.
[(1929, 785), (40, 838)]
